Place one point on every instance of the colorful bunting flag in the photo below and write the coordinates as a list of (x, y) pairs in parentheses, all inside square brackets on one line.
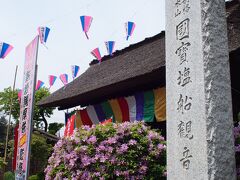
[(86, 23), (5, 49), (43, 34), (75, 70), (52, 80), (110, 46), (64, 78), (39, 84), (130, 26), (96, 54)]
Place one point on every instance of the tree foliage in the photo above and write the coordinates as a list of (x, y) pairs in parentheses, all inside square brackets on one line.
[(40, 151), (53, 128), (40, 113), (5, 97), (3, 128)]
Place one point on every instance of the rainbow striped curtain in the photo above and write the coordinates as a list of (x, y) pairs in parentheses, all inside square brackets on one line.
[(143, 106)]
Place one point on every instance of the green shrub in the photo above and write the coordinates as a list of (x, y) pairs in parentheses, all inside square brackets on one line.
[(9, 176), (33, 177), (39, 176)]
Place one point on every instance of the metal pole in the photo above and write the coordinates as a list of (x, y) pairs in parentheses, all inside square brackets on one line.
[(10, 115)]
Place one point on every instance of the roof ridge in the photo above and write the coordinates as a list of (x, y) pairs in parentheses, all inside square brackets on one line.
[(130, 47)]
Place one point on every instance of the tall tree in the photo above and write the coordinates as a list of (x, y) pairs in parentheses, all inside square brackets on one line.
[(40, 113)]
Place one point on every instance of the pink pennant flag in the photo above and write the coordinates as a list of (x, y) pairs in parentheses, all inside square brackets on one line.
[(64, 78), (96, 54), (39, 84), (52, 80), (86, 23)]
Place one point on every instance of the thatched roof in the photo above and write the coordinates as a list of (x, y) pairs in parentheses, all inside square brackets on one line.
[(138, 67), (127, 70)]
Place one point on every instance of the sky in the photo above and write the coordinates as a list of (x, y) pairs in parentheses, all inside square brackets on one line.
[(67, 44)]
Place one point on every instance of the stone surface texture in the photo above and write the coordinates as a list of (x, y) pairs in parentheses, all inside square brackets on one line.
[(220, 144), (206, 99)]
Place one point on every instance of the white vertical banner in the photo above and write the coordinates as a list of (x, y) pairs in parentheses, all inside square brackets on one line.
[(26, 110)]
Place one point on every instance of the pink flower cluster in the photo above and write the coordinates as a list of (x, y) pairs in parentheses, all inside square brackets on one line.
[(114, 151)]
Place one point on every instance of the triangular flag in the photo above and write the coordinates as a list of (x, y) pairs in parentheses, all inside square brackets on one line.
[(130, 26), (64, 78), (96, 54), (75, 70), (110, 46), (39, 85), (52, 80), (43, 34), (5, 49), (86, 22)]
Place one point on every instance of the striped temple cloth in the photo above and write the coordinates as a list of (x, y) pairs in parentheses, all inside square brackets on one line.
[(160, 104), (139, 105), (118, 113), (143, 106), (131, 101), (148, 110)]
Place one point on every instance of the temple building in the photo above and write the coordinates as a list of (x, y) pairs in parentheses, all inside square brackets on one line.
[(130, 84)]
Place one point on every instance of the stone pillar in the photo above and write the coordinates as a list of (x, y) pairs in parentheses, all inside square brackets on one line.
[(200, 142)]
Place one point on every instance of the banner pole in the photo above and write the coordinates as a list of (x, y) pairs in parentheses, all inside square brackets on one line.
[(31, 122), (10, 115)]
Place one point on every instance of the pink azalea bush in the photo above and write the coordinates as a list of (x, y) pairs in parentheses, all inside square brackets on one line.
[(114, 151)]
